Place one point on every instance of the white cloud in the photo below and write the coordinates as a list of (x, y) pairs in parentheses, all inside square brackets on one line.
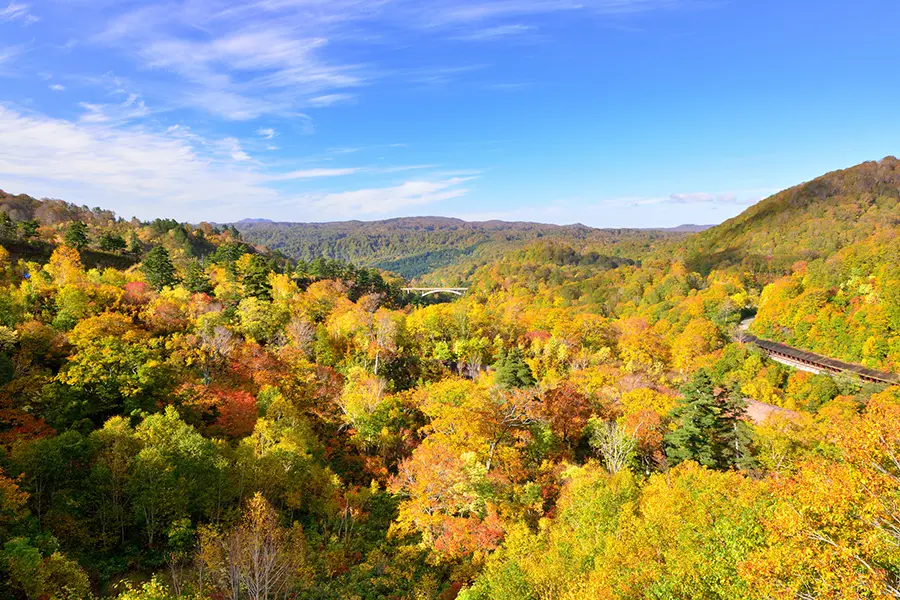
[(238, 68), (17, 12), (266, 132), (56, 87), (177, 173), (705, 198), (242, 59), (328, 100), (7, 55), (132, 170), (498, 32), (312, 174), (388, 200), (449, 12), (233, 146), (343, 150), (507, 87), (131, 108)]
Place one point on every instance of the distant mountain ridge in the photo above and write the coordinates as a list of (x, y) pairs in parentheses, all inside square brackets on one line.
[(688, 228), (415, 246)]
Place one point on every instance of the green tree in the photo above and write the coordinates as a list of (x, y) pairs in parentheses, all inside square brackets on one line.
[(159, 269), (77, 235), (183, 239), (710, 426), (7, 226), (111, 242), (56, 576), (256, 279), (134, 244), (512, 370), (29, 229), (115, 366), (177, 474), (196, 280)]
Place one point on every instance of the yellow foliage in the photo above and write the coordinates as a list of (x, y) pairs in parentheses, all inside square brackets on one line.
[(65, 265)]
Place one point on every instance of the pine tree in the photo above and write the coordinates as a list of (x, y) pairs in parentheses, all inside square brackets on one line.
[(736, 434), (183, 239), (197, 281), (256, 279), (7, 226), (711, 429), (76, 235), (111, 242), (134, 244), (29, 229), (512, 370), (159, 269)]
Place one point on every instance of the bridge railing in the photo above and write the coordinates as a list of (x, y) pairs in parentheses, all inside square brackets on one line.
[(427, 291)]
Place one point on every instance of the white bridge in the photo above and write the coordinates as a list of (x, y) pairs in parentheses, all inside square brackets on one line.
[(427, 291)]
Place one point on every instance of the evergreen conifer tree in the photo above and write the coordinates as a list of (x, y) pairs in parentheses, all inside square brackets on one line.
[(256, 279), (197, 281), (159, 269), (512, 370), (76, 235), (111, 242), (736, 435), (7, 226), (134, 244), (711, 428), (29, 229)]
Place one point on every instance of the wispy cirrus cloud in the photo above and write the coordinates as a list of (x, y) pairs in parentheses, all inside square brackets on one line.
[(8, 55), (313, 173), (133, 107), (329, 100), (15, 11), (237, 63), (447, 13), (240, 60), (704, 198), (499, 32)]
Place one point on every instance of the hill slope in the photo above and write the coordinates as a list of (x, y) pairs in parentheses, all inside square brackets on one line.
[(808, 221), (415, 246), (828, 250)]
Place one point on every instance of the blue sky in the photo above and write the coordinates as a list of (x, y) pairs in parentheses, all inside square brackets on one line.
[(611, 113)]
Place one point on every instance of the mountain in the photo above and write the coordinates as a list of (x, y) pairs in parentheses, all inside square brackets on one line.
[(110, 241), (812, 220), (416, 246), (826, 255), (689, 228)]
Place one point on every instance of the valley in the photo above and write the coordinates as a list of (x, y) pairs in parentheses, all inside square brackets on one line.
[(429, 408)]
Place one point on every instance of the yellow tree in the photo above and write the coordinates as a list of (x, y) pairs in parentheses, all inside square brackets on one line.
[(65, 265), (835, 530), (698, 339), (258, 556)]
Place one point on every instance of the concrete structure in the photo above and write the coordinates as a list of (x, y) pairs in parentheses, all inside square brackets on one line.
[(815, 363), (427, 291)]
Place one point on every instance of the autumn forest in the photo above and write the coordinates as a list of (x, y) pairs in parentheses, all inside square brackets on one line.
[(260, 411)]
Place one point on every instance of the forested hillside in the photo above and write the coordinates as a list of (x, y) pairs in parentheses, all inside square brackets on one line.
[(810, 221), (187, 416), (834, 242), (415, 247)]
